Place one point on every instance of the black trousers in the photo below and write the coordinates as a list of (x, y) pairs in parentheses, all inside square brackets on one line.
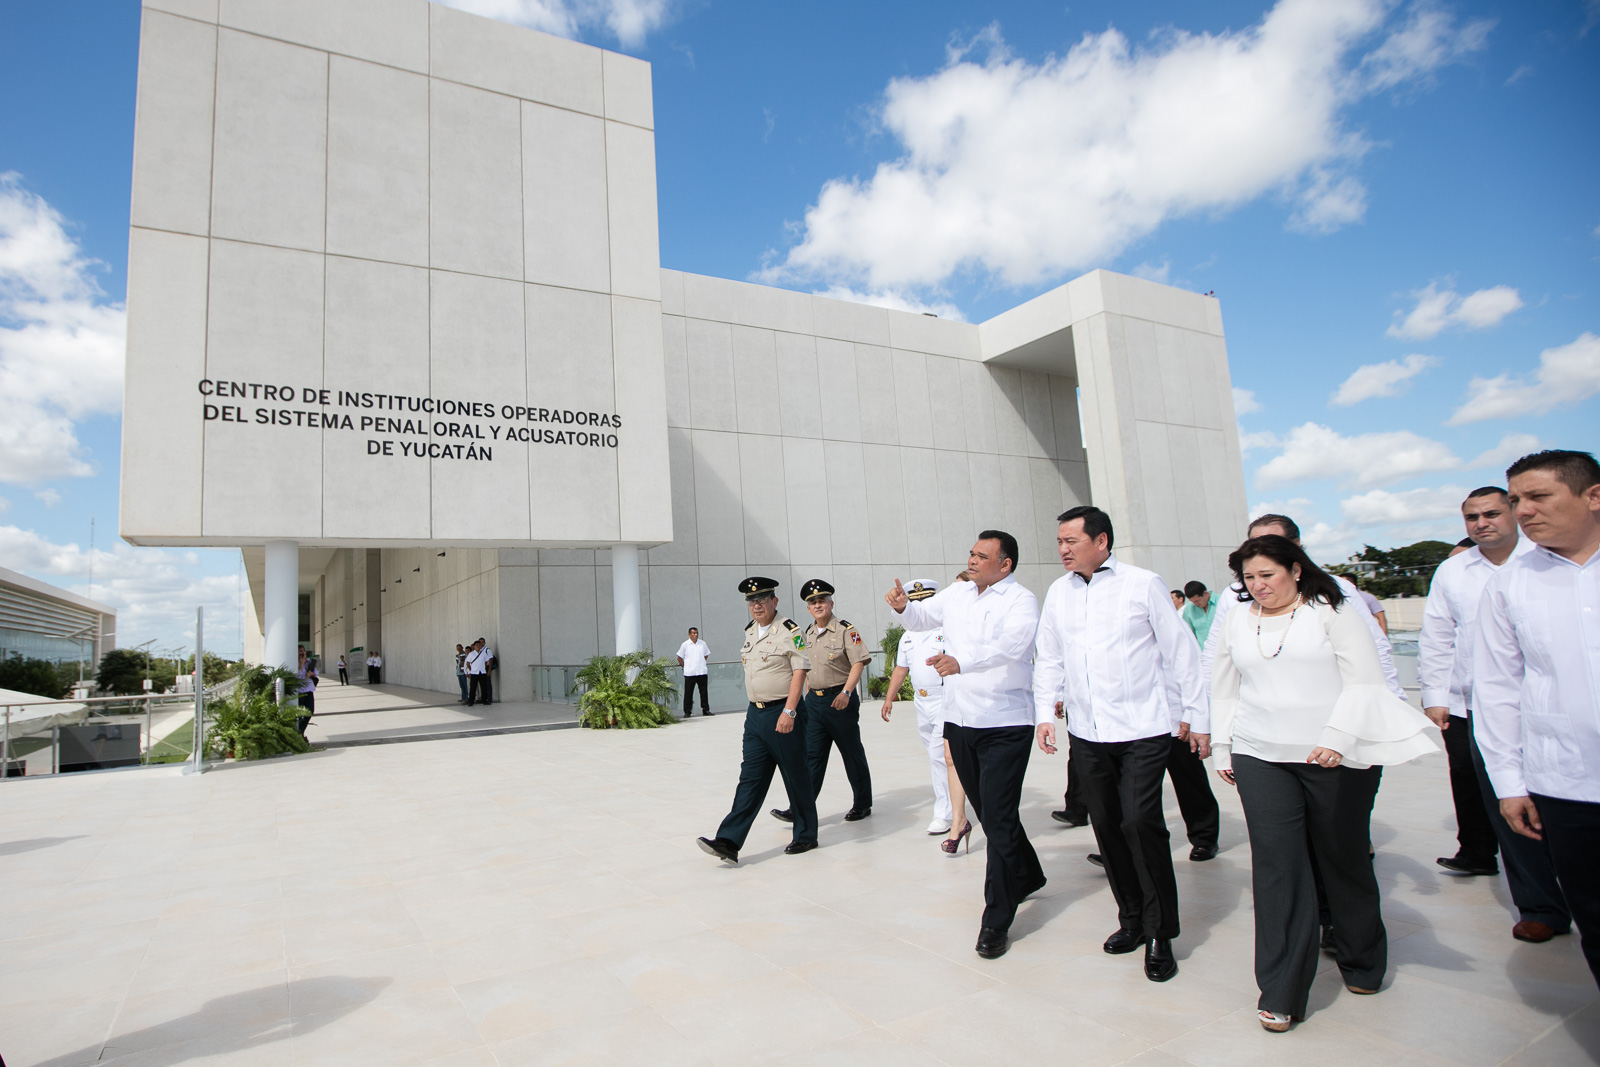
[(1191, 782), (765, 751), (372, 675), (309, 702), (826, 727), (1291, 808), (1530, 872), (480, 688), (1072, 803), (1572, 827), (990, 764), (1475, 837), (1122, 787), (344, 676), (691, 682)]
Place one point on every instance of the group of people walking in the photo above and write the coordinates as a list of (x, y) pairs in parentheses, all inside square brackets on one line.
[(1293, 697)]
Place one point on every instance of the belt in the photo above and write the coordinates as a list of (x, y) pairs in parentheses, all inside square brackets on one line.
[(829, 689), (769, 703)]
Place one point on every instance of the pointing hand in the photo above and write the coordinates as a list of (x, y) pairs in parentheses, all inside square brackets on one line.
[(896, 598)]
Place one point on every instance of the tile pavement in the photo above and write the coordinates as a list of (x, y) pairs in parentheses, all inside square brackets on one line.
[(537, 898)]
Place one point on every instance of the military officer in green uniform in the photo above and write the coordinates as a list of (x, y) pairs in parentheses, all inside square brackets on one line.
[(832, 710), (775, 666)]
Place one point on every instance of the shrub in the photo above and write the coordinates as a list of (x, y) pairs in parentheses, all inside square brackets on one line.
[(611, 700), (250, 723), (879, 685), (35, 676)]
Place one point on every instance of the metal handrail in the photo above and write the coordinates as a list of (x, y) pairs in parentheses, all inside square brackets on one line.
[(134, 703)]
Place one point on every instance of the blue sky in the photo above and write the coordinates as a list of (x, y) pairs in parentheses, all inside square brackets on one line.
[(1396, 204)]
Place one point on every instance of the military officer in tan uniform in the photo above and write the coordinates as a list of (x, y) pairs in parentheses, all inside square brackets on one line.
[(775, 666), (831, 714)]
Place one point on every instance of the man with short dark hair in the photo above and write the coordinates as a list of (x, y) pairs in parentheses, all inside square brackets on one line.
[(989, 623), (1536, 676), (1109, 646), (692, 657), (1199, 612), (1444, 666)]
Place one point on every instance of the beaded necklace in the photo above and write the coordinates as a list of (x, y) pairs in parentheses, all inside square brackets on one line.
[(1283, 637)]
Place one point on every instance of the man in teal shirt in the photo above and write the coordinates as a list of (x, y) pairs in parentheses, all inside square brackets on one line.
[(1199, 612)]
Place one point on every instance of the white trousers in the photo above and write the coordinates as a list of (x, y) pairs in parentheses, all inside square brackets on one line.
[(930, 727)]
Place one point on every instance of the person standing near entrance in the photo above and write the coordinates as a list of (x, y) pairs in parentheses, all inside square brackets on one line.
[(775, 665), (1109, 645), (832, 705), (692, 657), (344, 675), (989, 623), (461, 673), (374, 667), (306, 671), (1536, 676), (480, 684)]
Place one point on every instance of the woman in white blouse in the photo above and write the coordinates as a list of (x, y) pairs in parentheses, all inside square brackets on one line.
[(1302, 722)]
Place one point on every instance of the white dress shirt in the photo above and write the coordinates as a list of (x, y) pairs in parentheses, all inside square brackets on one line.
[(991, 635), (1536, 677), (694, 655), (478, 662), (1444, 648), (1230, 599), (916, 647), (1306, 680), (1109, 647)]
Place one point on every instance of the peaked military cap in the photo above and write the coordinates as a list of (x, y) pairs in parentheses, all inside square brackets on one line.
[(758, 588), (815, 588), (921, 589)]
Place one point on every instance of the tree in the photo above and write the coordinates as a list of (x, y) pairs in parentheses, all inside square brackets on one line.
[(217, 668), (36, 676), (1405, 571), (122, 671)]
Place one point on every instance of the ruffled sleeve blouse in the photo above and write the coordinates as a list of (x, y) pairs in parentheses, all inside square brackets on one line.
[(1308, 679)]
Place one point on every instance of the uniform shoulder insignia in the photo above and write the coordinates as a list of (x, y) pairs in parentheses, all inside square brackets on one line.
[(789, 623), (846, 624), (795, 635)]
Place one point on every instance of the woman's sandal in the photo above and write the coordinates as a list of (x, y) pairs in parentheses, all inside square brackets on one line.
[(1362, 992), (1273, 1021)]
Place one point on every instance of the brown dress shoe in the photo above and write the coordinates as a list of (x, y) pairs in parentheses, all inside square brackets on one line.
[(1536, 932)]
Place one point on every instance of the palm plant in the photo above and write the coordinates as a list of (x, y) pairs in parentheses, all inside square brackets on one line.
[(627, 692), (250, 723)]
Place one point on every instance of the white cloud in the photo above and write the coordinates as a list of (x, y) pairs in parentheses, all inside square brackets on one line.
[(1429, 40), (1565, 376), (61, 342), (1438, 309), (1512, 447), (1388, 378), (894, 301), (629, 21), (1360, 461), (1381, 506), (1250, 440), (1026, 170), (155, 590), (1245, 402), (50, 497), (1154, 272)]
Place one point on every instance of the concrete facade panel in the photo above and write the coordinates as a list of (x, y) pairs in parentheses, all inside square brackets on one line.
[(475, 184), (566, 222), (517, 62), (377, 162), (172, 157), (391, 32)]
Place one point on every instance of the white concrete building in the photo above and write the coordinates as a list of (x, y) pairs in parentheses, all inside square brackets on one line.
[(397, 324)]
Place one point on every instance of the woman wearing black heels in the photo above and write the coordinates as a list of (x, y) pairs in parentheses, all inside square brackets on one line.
[(1303, 723)]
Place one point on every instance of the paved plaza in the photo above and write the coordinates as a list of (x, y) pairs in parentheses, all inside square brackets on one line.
[(537, 898)]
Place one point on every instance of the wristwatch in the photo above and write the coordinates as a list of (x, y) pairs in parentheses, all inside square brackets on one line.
[(789, 712)]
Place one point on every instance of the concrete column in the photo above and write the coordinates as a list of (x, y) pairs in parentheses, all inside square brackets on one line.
[(281, 602), (625, 597)]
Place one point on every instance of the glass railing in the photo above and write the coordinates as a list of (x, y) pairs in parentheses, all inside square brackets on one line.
[(42, 737)]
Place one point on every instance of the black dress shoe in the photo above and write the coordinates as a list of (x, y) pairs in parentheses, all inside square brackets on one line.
[(708, 713), (1201, 853), (1068, 820), (1326, 942), (1094, 858), (992, 943), (857, 814), (1461, 866), (719, 848), (783, 814), (794, 848), (1159, 964), (1123, 941)]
